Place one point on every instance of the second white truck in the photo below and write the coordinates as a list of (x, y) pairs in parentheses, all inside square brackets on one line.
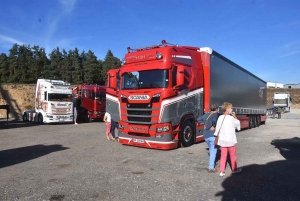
[(53, 102), (282, 99)]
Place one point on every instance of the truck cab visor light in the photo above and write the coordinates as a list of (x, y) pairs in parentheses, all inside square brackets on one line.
[(159, 55), (155, 98), (163, 129), (123, 99)]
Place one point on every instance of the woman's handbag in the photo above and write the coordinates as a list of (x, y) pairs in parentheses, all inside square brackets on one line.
[(217, 137)]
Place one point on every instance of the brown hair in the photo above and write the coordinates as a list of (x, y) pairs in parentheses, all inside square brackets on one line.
[(214, 107), (225, 106)]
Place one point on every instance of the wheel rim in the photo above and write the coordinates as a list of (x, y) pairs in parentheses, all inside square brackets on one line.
[(187, 133)]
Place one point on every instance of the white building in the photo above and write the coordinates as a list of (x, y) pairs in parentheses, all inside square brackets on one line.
[(292, 86), (274, 85)]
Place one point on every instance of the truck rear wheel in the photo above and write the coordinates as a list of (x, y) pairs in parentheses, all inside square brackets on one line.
[(40, 119), (187, 134)]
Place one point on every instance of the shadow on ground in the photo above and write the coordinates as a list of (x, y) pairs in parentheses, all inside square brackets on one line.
[(279, 180), (15, 124), (19, 155)]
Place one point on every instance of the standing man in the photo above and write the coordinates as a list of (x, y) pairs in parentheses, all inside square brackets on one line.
[(274, 112), (210, 120), (74, 109), (279, 110)]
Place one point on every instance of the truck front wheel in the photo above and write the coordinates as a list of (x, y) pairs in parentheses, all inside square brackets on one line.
[(40, 119), (87, 117), (186, 134)]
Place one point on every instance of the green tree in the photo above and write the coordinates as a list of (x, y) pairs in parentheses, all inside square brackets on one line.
[(110, 62), (76, 66), (91, 67), (4, 72), (54, 69)]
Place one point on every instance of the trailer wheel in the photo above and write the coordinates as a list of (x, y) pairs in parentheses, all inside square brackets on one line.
[(257, 120), (40, 119), (25, 117), (254, 121), (186, 134), (251, 122)]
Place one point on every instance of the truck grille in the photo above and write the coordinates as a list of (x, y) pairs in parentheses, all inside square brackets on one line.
[(141, 119), (134, 112), (137, 112), (280, 101)]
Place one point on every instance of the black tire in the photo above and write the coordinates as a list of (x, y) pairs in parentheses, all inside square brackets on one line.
[(258, 120), (254, 121), (25, 117), (187, 134), (87, 117), (40, 119), (251, 122)]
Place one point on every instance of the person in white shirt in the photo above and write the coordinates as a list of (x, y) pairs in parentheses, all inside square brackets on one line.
[(107, 120), (226, 125)]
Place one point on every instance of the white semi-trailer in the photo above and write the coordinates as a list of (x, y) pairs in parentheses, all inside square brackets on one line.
[(53, 102)]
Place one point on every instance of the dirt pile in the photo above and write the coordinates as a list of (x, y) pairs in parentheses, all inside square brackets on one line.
[(19, 96), (295, 96)]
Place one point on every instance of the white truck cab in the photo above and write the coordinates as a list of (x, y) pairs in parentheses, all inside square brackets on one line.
[(282, 99), (53, 102)]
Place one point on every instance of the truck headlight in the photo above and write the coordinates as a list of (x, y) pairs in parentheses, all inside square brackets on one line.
[(121, 127), (163, 129)]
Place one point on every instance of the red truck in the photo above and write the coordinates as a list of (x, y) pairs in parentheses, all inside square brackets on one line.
[(160, 91), (90, 101)]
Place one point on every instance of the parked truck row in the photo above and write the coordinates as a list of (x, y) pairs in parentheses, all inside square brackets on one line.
[(160, 91), (157, 95)]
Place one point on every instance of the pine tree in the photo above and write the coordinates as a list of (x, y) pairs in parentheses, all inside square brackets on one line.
[(91, 67), (110, 62), (54, 70), (4, 72)]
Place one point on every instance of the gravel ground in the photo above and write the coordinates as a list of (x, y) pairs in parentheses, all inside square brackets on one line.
[(76, 162)]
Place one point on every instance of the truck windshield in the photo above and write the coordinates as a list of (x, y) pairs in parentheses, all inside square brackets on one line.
[(100, 95), (145, 79), (60, 97)]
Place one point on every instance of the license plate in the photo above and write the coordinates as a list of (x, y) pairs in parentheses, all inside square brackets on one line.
[(138, 140)]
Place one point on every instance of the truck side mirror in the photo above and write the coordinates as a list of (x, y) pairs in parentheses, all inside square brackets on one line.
[(112, 80), (180, 76)]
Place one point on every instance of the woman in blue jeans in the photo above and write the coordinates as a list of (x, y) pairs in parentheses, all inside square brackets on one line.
[(210, 120)]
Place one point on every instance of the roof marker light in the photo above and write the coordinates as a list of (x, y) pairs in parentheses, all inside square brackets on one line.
[(159, 55)]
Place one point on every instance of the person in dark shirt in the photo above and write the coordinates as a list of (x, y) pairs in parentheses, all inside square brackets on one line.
[(210, 120)]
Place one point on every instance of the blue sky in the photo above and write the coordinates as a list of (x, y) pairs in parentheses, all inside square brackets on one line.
[(263, 36)]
